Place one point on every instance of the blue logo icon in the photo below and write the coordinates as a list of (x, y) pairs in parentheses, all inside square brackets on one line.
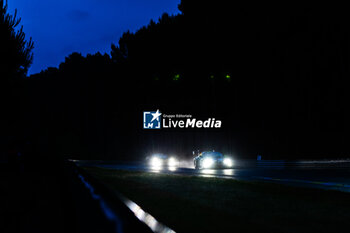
[(151, 120)]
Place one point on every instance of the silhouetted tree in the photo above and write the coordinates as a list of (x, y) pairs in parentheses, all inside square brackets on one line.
[(16, 51)]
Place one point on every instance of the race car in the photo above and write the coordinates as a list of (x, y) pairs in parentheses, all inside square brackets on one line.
[(212, 160), (162, 160)]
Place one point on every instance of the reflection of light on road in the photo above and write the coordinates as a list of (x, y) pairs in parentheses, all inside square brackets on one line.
[(217, 173), (208, 171), (228, 172), (150, 221), (156, 168)]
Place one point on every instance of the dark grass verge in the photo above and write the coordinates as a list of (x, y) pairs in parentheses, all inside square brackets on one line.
[(201, 204)]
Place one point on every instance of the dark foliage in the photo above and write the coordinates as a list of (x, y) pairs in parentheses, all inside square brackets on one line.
[(15, 58), (16, 51)]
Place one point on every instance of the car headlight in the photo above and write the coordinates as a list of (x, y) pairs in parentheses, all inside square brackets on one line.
[(172, 162), (156, 162), (228, 162), (208, 162)]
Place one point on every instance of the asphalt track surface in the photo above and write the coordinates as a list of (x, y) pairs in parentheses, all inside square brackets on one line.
[(331, 175)]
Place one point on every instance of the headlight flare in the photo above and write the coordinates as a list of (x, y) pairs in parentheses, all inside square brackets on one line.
[(156, 162), (208, 163), (228, 162), (172, 162)]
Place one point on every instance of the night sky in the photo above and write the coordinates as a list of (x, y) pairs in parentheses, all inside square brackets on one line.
[(59, 28)]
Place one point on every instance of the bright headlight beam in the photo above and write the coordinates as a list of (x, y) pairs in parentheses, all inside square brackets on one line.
[(208, 162), (228, 162), (156, 162), (172, 162)]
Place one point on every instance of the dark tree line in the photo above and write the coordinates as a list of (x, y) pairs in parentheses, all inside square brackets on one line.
[(276, 75)]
